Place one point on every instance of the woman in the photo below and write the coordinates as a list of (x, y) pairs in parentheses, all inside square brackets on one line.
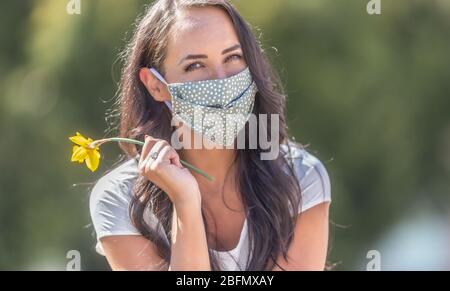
[(151, 213)]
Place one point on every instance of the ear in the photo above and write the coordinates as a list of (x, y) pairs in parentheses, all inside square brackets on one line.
[(154, 86)]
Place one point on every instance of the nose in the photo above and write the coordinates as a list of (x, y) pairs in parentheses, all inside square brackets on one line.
[(219, 73)]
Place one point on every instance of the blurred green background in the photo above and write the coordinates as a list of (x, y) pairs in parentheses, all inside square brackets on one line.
[(368, 93)]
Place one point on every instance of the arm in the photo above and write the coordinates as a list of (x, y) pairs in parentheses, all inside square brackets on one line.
[(189, 244), (308, 249), (132, 253), (189, 247)]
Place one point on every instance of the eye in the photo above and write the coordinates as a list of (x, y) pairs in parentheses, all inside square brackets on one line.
[(193, 67), (233, 57)]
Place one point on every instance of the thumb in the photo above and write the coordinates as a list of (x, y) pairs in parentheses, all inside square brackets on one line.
[(175, 159)]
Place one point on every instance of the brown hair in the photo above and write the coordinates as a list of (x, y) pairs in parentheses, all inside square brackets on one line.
[(267, 189)]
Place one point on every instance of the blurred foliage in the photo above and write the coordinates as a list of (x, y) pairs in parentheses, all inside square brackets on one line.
[(369, 94)]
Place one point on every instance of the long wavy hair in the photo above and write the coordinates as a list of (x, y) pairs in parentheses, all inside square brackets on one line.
[(268, 191)]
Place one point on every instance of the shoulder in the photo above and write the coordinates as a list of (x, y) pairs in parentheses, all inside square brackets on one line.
[(116, 184), (110, 198), (311, 174)]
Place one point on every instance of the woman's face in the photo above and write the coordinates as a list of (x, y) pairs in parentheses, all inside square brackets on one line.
[(203, 45)]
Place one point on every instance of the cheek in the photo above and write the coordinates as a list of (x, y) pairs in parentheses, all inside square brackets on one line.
[(235, 66), (171, 74)]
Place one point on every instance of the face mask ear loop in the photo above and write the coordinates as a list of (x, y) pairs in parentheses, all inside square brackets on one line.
[(158, 75)]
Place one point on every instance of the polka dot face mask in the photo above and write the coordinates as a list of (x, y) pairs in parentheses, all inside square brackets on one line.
[(217, 109)]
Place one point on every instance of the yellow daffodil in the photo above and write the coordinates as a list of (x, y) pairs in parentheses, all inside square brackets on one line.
[(87, 150), (83, 151)]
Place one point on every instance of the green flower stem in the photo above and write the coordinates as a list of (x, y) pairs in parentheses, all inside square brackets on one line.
[(193, 168), (133, 141)]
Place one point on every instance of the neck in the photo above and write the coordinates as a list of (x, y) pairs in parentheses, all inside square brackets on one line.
[(215, 162)]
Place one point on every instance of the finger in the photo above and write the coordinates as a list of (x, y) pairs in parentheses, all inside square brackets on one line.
[(175, 158), (155, 149), (153, 165), (163, 155), (168, 154), (149, 143)]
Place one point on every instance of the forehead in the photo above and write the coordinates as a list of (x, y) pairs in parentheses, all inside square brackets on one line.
[(201, 30)]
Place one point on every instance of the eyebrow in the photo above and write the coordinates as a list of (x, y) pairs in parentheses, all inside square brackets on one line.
[(230, 49), (192, 57)]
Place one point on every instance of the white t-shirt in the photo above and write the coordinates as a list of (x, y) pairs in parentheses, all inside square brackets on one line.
[(111, 195)]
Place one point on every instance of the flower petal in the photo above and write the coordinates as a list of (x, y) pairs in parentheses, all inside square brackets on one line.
[(93, 159), (79, 154), (80, 140), (75, 147)]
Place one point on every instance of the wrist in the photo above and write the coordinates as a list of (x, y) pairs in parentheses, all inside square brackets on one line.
[(189, 210), (188, 200)]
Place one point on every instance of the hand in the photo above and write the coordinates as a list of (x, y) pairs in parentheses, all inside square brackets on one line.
[(160, 163)]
